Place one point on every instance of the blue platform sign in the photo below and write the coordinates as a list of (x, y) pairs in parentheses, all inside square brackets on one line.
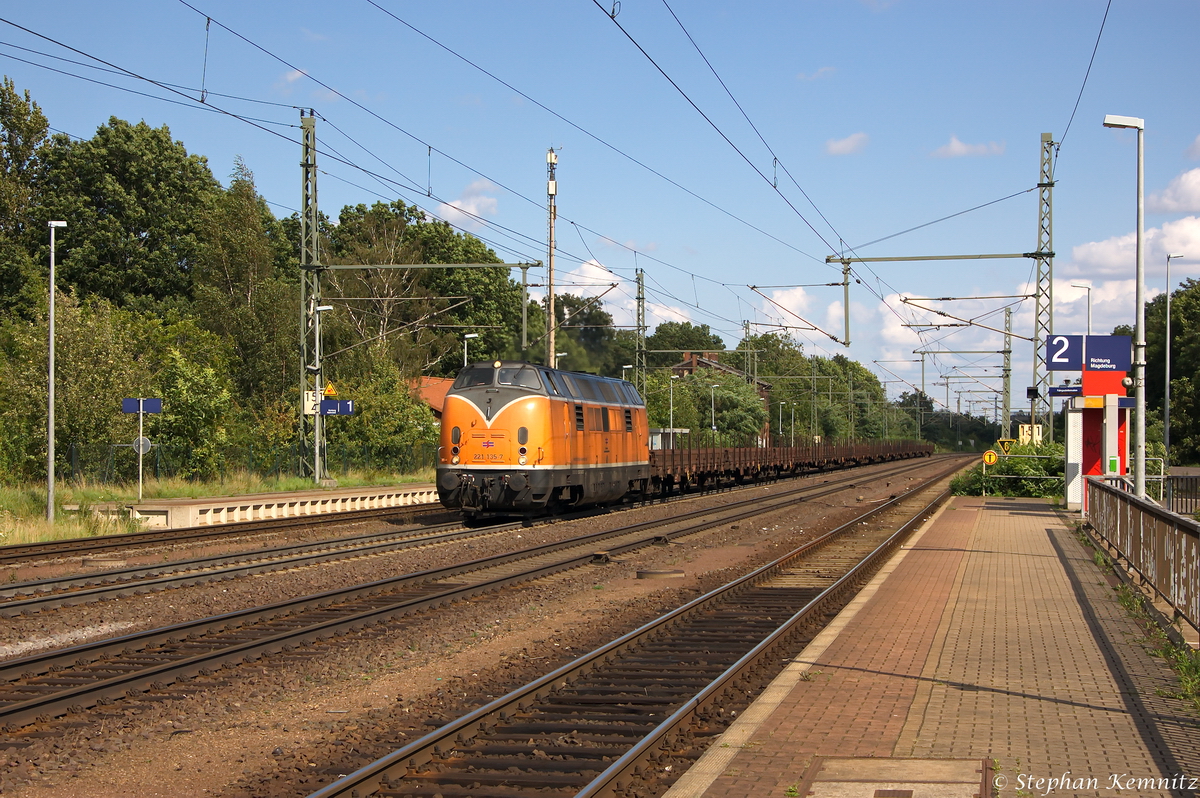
[(1108, 353), (1066, 390), (1064, 353), (147, 405), (337, 407)]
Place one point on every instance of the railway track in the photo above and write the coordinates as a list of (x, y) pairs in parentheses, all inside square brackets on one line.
[(74, 547), (629, 718), (45, 686), (27, 598)]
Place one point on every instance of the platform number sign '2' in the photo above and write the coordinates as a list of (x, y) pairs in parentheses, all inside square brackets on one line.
[(1064, 353)]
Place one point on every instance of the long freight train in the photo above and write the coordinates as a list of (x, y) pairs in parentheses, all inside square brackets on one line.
[(523, 438)]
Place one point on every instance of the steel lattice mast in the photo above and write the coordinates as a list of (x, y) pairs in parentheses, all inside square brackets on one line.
[(1043, 324)]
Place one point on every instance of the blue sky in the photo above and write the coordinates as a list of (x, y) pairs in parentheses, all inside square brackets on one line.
[(888, 115)]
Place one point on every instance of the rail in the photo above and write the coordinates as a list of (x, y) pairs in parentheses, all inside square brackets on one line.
[(1160, 546)]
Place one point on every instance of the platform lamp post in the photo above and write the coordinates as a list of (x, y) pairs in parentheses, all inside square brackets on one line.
[(625, 369), (50, 387), (712, 390), (466, 338), (671, 411), (1167, 390), (1139, 333), (1088, 288)]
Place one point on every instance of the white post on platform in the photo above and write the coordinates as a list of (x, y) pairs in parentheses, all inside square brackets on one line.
[(50, 387), (1139, 332)]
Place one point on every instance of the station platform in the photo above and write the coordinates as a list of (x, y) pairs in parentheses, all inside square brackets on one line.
[(218, 510), (990, 656)]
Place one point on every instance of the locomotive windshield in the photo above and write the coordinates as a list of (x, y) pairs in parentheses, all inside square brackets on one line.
[(524, 376), (474, 377)]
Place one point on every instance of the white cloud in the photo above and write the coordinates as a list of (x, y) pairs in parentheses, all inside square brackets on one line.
[(295, 75), (794, 299), (1193, 151), (853, 143), (892, 329), (1117, 256), (820, 73), (475, 201), (1182, 195), (592, 279), (958, 149)]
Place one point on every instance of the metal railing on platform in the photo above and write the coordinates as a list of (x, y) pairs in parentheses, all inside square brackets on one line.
[(1162, 547)]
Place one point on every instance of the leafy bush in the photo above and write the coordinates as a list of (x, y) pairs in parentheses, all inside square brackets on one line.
[(1020, 473)]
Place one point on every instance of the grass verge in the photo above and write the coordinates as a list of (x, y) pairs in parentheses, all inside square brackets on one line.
[(23, 508)]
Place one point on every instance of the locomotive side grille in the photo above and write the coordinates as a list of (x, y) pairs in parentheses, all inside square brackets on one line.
[(628, 420), (579, 417)]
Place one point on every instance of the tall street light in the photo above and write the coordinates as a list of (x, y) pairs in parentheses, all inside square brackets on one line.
[(1139, 332), (1088, 288), (50, 388), (466, 338), (625, 369), (1167, 387), (712, 389), (671, 412)]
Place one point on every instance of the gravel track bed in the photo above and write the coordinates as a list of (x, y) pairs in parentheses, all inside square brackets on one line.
[(292, 722)]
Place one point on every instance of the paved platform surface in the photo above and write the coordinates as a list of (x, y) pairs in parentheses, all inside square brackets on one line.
[(990, 655)]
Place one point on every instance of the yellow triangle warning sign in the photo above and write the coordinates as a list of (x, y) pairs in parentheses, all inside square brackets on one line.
[(330, 390), (1006, 444)]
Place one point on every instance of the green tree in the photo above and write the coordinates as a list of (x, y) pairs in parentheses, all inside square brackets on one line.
[(23, 129), (191, 428), (420, 315), (391, 423), (664, 394), (132, 198), (673, 338), (239, 293), (97, 363)]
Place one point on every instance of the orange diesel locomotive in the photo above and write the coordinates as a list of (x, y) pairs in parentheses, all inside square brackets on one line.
[(518, 437)]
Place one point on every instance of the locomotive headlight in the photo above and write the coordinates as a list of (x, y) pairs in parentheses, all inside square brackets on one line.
[(522, 460), (454, 460), (522, 450), (453, 450)]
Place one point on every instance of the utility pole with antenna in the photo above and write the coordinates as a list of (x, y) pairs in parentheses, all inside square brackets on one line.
[(639, 360), (551, 194), (312, 383), (1043, 317), (1006, 421)]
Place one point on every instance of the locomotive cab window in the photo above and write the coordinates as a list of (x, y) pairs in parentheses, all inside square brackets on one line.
[(607, 390), (588, 388), (521, 376), (474, 377), (560, 384)]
